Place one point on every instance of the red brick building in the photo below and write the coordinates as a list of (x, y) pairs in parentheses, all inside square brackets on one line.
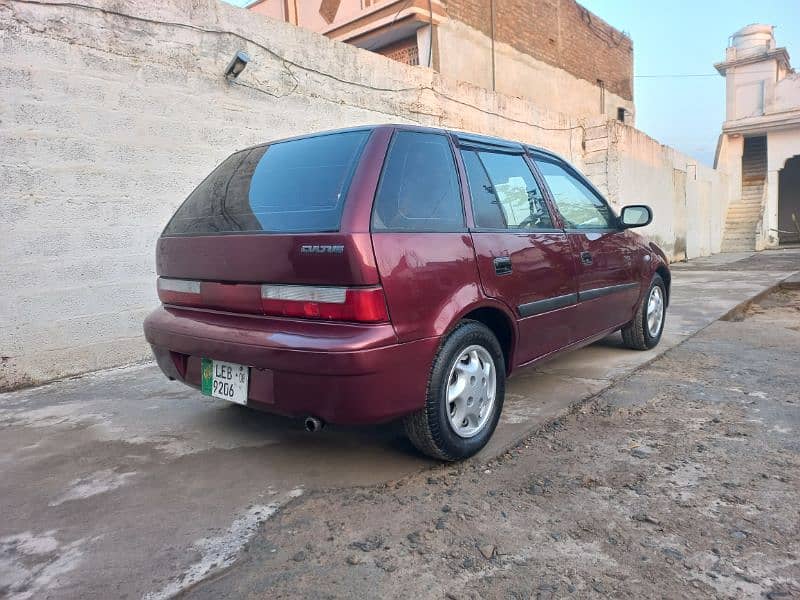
[(554, 52)]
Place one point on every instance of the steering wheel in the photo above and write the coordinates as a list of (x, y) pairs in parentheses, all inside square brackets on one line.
[(531, 219)]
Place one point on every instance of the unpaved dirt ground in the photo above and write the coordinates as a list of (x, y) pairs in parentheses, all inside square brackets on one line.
[(683, 481)]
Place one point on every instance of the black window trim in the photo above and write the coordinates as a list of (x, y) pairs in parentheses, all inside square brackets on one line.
[(535, 155), (516, 231), (536, 178), (480, 142), (443, 134)]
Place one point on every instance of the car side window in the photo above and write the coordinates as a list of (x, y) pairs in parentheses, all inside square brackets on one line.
[(419, 189), (504, 193), (579, 206)]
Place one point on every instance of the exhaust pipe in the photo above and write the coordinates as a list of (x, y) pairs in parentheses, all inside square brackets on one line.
[(313, 424)]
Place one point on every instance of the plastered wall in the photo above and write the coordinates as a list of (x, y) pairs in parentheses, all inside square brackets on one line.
[(689, 199)]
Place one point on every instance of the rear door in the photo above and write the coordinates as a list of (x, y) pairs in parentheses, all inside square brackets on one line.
[(422, 247), (608, 289), (523, 259)]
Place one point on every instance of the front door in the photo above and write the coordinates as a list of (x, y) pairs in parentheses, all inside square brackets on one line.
[(523, 259), (608, 288)]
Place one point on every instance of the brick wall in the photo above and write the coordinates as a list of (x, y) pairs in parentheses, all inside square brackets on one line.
[(559, 32)]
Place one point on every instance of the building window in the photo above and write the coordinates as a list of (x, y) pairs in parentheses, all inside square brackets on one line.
[(621, 114), (404, 51)]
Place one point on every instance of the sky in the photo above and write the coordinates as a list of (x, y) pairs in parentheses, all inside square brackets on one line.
[(686, 37)]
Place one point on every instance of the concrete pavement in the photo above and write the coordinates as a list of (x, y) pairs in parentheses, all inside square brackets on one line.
[(122, 483)]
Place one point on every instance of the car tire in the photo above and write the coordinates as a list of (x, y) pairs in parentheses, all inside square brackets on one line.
[(462, 358), (642, 333)]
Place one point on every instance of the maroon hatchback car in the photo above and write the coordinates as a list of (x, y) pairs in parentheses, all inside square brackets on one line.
[(364, 275)]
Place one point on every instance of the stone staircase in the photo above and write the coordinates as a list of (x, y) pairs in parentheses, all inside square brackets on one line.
[(744, 214)]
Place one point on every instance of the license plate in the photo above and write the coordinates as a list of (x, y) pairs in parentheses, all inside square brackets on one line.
[(225, 380)]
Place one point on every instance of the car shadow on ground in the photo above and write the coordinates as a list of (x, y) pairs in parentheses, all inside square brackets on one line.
[(332, 440), (341, 442)]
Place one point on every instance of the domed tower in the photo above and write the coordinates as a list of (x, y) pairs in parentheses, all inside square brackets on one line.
[(760, 134), (752, 67)]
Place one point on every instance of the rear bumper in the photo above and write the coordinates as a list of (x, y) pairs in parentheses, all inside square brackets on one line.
[(341, 373)]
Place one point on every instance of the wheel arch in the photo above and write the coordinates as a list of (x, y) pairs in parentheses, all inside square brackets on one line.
[(666, 276), (500, 323)]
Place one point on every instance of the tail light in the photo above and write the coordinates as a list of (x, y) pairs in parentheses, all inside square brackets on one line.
[(361, 305), (179, 291), (364, 305)]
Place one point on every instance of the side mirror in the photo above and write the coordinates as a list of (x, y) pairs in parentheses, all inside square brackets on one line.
[(635, 215)]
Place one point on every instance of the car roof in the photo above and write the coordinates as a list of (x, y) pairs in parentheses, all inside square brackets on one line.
[(478, 139), (466, 137)]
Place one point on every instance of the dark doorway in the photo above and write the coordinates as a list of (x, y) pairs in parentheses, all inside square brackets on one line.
[(789, 202)]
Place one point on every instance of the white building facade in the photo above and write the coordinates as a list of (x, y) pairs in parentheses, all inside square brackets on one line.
[(760, 142)]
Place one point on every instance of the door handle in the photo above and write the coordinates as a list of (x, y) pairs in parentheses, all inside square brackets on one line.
[(586, 258), (502, 265)]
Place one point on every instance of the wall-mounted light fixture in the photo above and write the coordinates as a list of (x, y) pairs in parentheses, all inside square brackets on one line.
[(237, 64)]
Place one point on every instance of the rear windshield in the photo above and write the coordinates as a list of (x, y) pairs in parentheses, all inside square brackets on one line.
[(293, 186)]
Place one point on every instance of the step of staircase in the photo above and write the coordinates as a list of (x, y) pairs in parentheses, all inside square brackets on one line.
[(726, 247), (738, 246), (741, 237), (741, 241), (744, 211), (733, 232), (741, 209), (745, 208)]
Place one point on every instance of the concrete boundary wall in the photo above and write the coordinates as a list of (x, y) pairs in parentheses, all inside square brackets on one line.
[(689, 199), (112, 112)]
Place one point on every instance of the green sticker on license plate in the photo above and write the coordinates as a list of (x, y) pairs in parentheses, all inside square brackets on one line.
[(208, 375), (224, 380)]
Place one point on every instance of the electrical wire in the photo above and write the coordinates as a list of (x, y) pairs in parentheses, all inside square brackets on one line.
[(680, 75), (686, 75), (430, 33), (287, 61)]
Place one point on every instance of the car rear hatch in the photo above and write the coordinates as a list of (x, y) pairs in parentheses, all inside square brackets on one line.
[(261, 236)]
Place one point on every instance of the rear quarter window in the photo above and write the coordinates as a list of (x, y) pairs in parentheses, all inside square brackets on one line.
[(294, 186), (419, 189)]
